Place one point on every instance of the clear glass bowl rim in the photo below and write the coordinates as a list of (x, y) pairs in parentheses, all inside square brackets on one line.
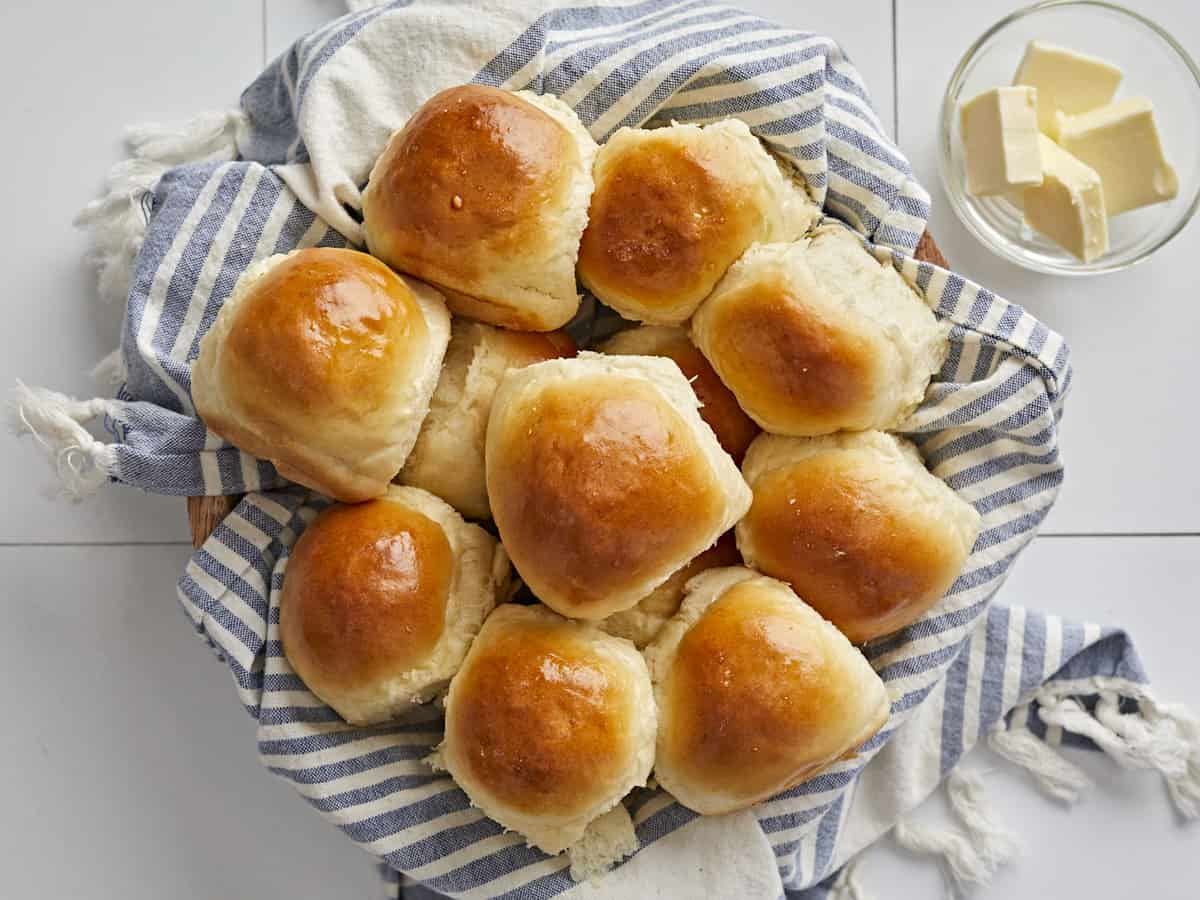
[(945, 136)]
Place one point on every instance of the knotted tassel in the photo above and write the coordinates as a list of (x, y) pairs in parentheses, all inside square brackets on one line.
[(55, 421), (117, 219)]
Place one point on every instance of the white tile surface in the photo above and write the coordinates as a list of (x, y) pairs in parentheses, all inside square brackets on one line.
[(130, 769), (287, 20), (1123, 840), (74, 89), (1146, 585), (148, 797), (1128, 437), (122, 791)]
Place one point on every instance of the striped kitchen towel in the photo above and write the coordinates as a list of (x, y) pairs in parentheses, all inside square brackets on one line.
[(197, 205)]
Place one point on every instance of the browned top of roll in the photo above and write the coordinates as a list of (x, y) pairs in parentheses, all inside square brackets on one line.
[(666, 223), (316, 332), (781, 352), (365, 594), (596, 484), (541, 719), (865, 552), (468, 169), (758, 698)]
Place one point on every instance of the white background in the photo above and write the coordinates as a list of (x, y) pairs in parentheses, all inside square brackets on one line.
[(127, 768)]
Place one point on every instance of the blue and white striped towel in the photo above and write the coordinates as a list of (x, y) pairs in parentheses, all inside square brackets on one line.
[(195, 207)]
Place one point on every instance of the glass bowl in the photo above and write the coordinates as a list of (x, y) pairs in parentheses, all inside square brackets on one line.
[(1155, 66)]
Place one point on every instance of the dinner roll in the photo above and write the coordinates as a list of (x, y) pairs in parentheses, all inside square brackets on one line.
[(381, 599), (447, 459), (674, 206), (756, 693), (485, 194), (549, 723), (642, 622), (857, 525), (818, 336), (323, 361), (718, 407), (604, 479)]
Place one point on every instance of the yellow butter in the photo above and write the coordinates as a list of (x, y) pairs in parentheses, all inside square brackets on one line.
[(1120, 141), (999, 135), (1066, 82), (1068, 206)]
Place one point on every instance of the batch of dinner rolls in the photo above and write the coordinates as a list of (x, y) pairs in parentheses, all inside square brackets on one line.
[(706, 511)]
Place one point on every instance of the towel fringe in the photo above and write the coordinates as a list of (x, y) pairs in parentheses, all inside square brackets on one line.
[(953, 850), (1158, 736), (211, 135), (992, 840), (847, 885), (1053, 773), (117, 219), (971, 858), (1184, 788), (111, 372), (82, 462)]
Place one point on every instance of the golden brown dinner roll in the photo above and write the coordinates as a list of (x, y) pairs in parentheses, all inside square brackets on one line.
[(447, 459), (381, 600), (674, 206), (756, 692), (642, 622), (857, 525), (818, 336), (484, 193), (604, 479), (718, 407), (549, 723), (323, 362)]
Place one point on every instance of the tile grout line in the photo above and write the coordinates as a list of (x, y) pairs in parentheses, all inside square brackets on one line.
[(6, 545), (896, 137), (12, 545), (895, 75), (33, 545), (1120, 534)]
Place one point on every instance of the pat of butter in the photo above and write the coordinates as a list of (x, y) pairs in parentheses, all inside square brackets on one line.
[(999, 135), (1120, 141), (1068, 206), (1066, 82)]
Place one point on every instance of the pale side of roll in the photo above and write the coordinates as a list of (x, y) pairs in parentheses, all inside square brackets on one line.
[(641, 623), (448, 457)]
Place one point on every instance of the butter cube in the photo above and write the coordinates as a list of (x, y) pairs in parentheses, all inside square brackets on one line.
[(1068, 206), (1120, 141), (999, 134), (1066, 82)]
